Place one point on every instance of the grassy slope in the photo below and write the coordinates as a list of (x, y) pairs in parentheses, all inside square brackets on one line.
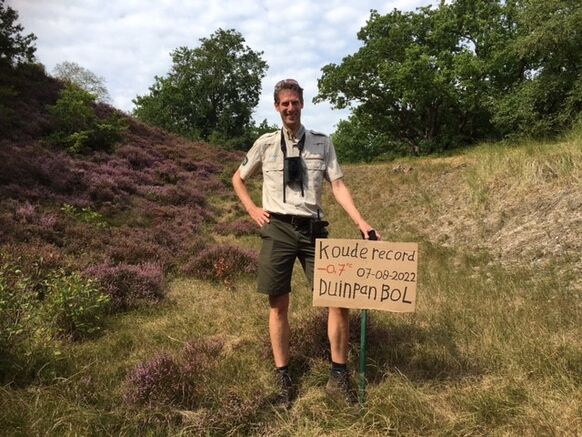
[(494, 348)]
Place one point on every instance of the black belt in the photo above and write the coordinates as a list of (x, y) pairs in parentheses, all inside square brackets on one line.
[(295, 220)]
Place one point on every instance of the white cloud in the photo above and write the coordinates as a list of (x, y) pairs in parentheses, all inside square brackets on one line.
[(130, 42)]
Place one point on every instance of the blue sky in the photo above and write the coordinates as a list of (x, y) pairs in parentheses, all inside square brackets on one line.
[(129, 42)]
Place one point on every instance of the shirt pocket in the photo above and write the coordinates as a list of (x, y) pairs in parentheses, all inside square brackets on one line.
[(315, 166), (273, 177)]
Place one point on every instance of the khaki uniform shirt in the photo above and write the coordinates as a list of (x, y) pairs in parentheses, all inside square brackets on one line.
[(319, 162)]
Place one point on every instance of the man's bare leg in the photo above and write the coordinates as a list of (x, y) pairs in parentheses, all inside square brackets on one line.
[(279, 328), (338, 332)]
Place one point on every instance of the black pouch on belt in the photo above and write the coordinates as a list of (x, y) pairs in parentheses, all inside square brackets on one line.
[(317, 228)]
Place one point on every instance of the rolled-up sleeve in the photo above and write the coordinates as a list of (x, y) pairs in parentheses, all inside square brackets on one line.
[(252, 162)]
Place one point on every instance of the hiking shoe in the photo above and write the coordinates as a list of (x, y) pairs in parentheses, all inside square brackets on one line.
[(285, 386), (340, 385)]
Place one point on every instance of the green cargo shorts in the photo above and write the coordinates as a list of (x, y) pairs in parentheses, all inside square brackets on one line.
[(282, 244)]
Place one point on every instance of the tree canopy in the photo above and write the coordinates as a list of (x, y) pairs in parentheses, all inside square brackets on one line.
[(210, 91), (468, 70), (73, 73), (15, 48)]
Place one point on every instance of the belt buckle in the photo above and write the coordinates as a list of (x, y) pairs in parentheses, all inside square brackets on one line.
[(299, 221)]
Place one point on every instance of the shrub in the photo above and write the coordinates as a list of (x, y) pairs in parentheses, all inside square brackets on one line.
[(176, 382), (237, 227), (77, 127), (39, 307), (85, 215), (160, 381), (25, 343), (128, 285), (222, 263), (74, 305), (138, 157)]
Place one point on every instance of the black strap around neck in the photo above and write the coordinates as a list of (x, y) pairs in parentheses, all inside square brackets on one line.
[(300, 146)]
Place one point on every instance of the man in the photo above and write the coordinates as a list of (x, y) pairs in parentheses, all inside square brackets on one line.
[(294, 162)]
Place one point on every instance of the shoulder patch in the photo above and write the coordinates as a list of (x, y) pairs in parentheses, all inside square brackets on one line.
[(314, 132)]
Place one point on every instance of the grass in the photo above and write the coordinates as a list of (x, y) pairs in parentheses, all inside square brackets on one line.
[(494, 347)]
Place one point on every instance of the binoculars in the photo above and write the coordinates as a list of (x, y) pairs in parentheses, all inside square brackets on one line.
[(293, 168)]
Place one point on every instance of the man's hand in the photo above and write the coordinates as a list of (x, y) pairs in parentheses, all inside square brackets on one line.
[(259, 215), (365, 229)]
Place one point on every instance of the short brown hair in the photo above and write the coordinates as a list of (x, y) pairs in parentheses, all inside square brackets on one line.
[(288, 84)]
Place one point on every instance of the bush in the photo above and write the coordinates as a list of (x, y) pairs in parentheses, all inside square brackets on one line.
[(74, 305), (36, 309), (77, 127), (238, 227), (160, 381), (176, 382), (222, 263), (128, 285)]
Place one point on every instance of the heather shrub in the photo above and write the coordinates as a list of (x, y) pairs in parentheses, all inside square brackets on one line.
[(138, 157), (163, 243), (167, 171), (222, 262), (128, 285), (174, 381), (160, 381), (136, 246), (237, 227), (201, 355)]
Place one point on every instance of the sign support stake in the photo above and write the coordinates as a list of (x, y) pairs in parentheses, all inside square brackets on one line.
[(363, 351)]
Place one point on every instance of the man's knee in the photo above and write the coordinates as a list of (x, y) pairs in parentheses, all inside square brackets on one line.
[(279, 304), (339, 313)]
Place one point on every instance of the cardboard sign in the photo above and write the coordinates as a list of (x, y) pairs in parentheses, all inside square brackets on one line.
[(365, 274)]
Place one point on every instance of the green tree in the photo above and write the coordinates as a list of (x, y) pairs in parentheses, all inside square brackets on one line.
[(71, 72), (546, 98), (416, 83), (76, 126), (15, 48), (210, 91)]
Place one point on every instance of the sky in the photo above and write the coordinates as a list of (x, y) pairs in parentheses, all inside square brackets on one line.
[(129, 42)]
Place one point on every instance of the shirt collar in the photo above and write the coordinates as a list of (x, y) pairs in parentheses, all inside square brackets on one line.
[(290, 138)]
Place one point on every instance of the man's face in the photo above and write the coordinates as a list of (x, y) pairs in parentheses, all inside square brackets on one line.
[(289, 106)]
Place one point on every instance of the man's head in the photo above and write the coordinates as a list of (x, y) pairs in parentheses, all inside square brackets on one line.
[(287, 84), (289, 102)]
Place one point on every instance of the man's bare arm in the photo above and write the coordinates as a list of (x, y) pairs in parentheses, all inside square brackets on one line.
[(259, 215), (344, 198)]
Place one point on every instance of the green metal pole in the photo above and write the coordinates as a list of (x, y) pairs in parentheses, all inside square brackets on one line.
[(364, 316), (364, 319)]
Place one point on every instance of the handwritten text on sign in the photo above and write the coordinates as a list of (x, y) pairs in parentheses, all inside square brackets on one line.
[(365, 274)]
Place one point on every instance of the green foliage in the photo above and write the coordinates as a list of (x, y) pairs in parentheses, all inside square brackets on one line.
[(86, 215), (77, 128), (15, 48), (36, 310), (73, 305), (73, 73), (465, 71), (354, 141), (547, 97), (210, 91)]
